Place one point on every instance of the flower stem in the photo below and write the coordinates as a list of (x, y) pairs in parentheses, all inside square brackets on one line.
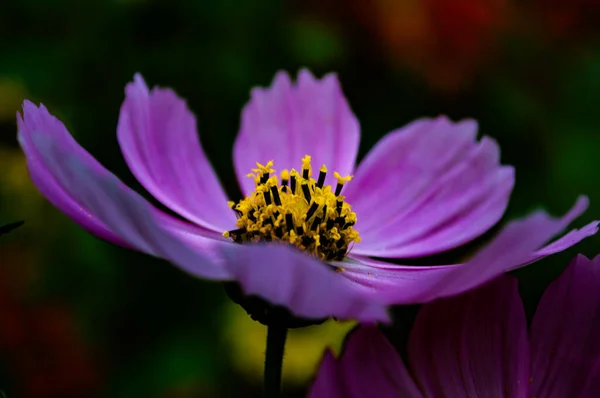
[(276, 336)]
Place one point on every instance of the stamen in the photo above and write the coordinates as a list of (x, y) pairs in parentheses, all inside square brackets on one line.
[(316, 223), (264, 178), (322, 174), (313, 208), (289, 221), (279, 232), (267, 197), (306, 168), (314, 218), (285, 176), (276, 197), (306, 192), (340, 183), (293, 182)]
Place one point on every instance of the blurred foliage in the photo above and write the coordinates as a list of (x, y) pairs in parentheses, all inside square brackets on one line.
[(81, 318)]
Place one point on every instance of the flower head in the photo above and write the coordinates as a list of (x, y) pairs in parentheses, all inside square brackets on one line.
[(425, 188), (306, 213), (477, 344)]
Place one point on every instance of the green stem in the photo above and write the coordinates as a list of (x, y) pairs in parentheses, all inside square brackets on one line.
[(276, 336)]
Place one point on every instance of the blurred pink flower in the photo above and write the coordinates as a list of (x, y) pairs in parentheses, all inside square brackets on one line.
[(478, 345), (425, 188)]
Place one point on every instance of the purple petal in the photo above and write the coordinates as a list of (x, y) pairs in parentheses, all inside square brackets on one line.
[(515, 246), (80, 183), (565, 330), (426, 188), (328, 383), (285, 122), (158, 138), (473, 345), (306, 286), (40, 121), (369, 367)]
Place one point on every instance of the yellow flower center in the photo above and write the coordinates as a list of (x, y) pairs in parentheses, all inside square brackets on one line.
[(301, 211)]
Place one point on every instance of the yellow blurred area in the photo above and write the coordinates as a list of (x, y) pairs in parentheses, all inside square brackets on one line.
[(20, 197), (12, 93), (303, 351)]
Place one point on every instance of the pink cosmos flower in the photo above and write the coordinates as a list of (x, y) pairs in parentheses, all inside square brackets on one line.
[(477, 345), (425, 188)]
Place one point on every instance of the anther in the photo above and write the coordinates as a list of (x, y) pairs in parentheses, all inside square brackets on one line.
[(289, 221), (306, 167), (307, 240), (293, 183), (276, 197), (311, 210), (322, 174), (306, 192), (316, 223), (338, 207), (285, 176), (330, 223), (239, 231), (279, 232), (338, 189), (340, 182), (264, 178), (267, 197)]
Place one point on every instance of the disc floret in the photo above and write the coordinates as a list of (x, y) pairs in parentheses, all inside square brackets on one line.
[(299, 210)]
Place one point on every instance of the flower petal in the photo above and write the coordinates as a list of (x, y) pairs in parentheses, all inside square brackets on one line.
[(307, 287), (159, 140), (565, 346), (514, 247), (39, 121), (285, 122), (80, 183), (473, 345), (328, 384), (426, 188), (368, 367)]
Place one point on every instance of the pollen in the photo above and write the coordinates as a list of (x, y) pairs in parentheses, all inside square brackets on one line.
[(299, 210)]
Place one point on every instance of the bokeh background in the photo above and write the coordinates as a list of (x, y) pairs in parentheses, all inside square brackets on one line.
[(82, 318)]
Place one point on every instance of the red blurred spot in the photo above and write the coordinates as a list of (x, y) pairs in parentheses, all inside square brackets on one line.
[(39, 341)]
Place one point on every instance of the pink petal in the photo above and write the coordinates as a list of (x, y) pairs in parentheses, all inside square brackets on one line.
[(565, 330), (426, 188), (473, 345), (78, 183), (40, 121), (158, 138), (369, 367), (287, 121), (306, 286), (328, 383), (515, 246)]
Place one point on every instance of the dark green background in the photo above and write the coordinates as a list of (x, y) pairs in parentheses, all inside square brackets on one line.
[(138, 327)]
